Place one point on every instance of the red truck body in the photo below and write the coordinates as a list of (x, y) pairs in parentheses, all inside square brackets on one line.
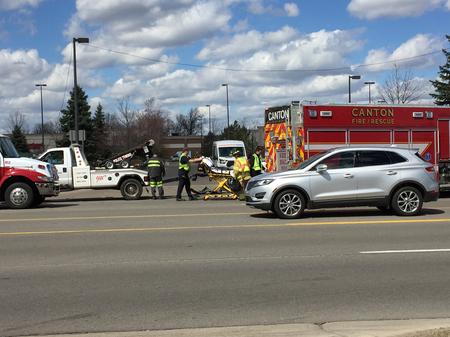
[(315, 128)]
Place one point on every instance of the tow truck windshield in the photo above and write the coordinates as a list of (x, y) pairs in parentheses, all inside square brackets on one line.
[(7, 148)]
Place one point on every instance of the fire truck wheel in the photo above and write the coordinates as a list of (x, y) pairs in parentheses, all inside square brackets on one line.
[(125, 164), (19, 195), (407, 201), (289, 204), (131, 189)]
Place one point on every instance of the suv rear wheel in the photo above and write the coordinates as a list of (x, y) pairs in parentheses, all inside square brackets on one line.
[(289, 204), (407, 201)]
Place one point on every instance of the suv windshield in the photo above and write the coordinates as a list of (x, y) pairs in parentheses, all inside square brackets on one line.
[(7, 148), (311, 160)]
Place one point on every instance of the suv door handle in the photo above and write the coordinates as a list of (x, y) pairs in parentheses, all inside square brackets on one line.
[(348, 175), (391, 173)]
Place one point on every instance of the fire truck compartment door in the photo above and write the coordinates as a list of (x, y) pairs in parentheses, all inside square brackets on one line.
[(338, 182)]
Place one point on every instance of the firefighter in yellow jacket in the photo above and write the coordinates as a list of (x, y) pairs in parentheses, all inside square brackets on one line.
[(241, 168)]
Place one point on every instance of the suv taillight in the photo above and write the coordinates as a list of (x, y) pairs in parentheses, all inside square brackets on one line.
[(431, 169)]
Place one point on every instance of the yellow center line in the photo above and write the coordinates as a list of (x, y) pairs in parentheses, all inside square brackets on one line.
[(279, 225)]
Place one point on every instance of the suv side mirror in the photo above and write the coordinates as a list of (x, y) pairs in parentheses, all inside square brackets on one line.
[(321, 168)]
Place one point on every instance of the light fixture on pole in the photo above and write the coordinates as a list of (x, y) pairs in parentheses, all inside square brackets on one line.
[(369, 83), (75, 85), (228, 106), (40, 85), (209, 117), (351, 77)]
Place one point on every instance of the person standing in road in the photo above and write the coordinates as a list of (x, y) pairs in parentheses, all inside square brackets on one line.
[(241, 168), (156, 171), (183, 174), (255, 162)]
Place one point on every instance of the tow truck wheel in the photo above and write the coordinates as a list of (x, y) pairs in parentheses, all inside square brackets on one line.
[(19, 195), (125, 164), (131, 189)]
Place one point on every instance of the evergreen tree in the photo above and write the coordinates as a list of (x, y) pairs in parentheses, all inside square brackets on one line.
[(19, 140), (99, 134), (67, 122), (238, 132), (442, 85)]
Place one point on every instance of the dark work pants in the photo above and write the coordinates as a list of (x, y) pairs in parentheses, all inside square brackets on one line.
[(184, 182)]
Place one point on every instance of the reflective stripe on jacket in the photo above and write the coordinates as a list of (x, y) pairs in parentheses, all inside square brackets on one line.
[(155, 167), (185, 167)]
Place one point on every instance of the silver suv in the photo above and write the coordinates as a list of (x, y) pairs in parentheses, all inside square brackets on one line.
[(384, 177)]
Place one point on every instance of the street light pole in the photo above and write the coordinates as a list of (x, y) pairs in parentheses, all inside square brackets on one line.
[(42, 114), (75, 85), (209, 117), (369, 83), (228, 107), (351, 77)]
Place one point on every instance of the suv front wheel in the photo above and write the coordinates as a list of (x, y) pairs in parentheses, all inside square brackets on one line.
[(407, 201), (289, 204)]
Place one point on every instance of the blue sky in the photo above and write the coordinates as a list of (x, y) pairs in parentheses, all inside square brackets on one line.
[(258, 35)]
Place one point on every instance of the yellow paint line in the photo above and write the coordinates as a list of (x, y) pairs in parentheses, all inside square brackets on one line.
[(143, 216), (285, 225)]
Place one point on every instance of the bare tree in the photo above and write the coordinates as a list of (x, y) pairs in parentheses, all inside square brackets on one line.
[(127, 118), (16, 121), (49, 128), (189, 124), (401, 87)]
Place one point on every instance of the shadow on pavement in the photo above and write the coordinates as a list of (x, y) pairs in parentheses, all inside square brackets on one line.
[(311, 214)]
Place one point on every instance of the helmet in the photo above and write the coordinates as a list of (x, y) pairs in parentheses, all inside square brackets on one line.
[(236, 153)]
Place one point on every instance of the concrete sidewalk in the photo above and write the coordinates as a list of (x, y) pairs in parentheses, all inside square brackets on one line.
[(403, 328)]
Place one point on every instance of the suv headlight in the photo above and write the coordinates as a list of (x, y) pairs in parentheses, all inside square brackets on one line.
[(263, 182)]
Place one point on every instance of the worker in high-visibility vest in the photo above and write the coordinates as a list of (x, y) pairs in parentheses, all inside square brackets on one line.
[(241, 168), (255, 162), (183, 174), (156, 171)]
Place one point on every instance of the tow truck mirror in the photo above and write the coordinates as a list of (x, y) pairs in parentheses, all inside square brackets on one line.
[(321, 168)]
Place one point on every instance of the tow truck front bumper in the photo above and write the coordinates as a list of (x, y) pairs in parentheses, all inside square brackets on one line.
[(48, 189)]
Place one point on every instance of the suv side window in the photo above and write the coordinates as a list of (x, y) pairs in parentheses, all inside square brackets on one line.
[(372, 158), (339, 161), (395, 157)]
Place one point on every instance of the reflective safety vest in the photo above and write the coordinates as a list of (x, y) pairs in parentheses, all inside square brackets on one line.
[(241, 165), (186, 167), (257, 166)]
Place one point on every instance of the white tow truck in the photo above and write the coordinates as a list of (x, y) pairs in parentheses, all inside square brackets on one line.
[(75, 173)]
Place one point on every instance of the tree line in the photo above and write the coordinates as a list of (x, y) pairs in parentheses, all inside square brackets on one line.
[(108, 133)]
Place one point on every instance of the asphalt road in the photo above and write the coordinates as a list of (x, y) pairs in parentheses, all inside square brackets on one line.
[(87, 264)]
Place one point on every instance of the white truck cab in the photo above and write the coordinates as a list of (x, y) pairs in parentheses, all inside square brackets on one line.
[(75, 173), (222, 152)]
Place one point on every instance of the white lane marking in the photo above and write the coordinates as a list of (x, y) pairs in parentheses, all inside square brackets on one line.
[(406, 251)]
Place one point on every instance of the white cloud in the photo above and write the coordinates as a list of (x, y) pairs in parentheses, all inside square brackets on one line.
[(373, 9), (403, 55), (291, 9), (8, 5), (448, 5)]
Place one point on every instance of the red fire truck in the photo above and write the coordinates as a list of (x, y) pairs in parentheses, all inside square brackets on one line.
[(295, 132)]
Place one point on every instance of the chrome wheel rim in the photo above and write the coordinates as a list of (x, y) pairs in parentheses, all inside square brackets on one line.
[(408, 201), (290, 204), (19, 196)]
